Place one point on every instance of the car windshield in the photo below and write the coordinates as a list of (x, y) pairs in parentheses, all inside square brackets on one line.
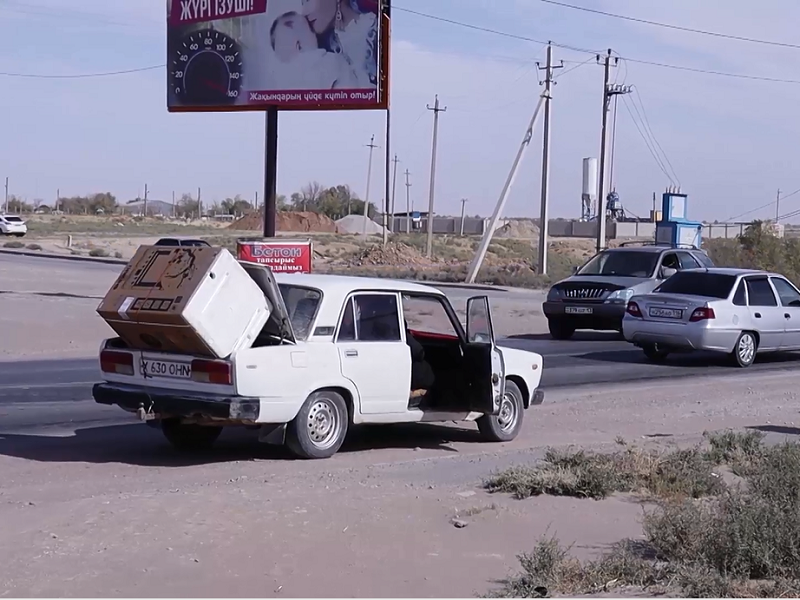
[(693, 283), (13, 219), (621, 263), (301, 304)]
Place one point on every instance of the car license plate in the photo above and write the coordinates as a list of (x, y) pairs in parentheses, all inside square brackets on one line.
[(166, 368), (666, 313), (578, 310)]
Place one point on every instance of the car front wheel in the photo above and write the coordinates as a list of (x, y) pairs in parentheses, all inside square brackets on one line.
[(560, 329), (505, 426), (320, 427)]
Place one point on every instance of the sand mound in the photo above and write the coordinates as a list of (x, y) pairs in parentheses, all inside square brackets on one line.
[(306, 222), (518, 229), (394, 254), (355, 224)]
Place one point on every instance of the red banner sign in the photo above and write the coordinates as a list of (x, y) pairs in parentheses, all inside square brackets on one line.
[(280, 256)]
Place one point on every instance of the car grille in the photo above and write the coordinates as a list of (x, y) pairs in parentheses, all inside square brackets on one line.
[(584, 293)]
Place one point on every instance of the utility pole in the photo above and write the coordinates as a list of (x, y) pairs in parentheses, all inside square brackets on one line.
[(145, 199), (371, 147), (609, 91), (436, 110), (58, 197), (6, 203), (408, 203), (544, 216), (463, 213), (199, 205), (394, 190), (173, 203), (778, 207)]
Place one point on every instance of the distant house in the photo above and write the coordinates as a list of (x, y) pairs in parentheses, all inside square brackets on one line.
[(157, 208)]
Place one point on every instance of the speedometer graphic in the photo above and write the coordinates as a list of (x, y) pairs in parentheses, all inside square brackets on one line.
[(206, 69)]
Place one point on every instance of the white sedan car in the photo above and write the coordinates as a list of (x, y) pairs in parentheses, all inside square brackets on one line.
[(335, 352), (12, 225), (738, 312)]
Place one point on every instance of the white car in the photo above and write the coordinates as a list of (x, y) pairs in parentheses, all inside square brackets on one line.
[(12, 225), (334, 353)]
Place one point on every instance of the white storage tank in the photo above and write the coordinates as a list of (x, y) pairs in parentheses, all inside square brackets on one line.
[(590, 178)]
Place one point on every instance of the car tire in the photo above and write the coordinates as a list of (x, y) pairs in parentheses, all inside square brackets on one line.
[(188, 436), (560, 329), (654, 353), (505, 426), (319, 429), (744, 351)]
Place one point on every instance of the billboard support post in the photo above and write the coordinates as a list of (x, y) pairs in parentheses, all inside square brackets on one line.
[(387, 167), (270, 171)]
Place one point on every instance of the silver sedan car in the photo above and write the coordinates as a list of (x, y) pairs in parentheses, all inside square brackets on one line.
[(737, 312)]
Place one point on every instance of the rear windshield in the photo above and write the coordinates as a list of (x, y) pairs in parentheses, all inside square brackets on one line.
[(13, 219), (708, 285), (301, 304), (621, 263)]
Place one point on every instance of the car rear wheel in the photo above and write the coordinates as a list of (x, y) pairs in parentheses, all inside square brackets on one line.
[(320, 427), (504, 426), (744, 352), (560, 329), (188, 436), (655, 353)]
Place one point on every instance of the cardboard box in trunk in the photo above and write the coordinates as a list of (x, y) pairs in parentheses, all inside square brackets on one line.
[(187, 299)]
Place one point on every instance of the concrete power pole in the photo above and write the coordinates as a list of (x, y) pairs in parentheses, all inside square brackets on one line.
[(408, 203), (173, 204), (145, 199), (609, 91), (778, 207), (371, 147), (463, 215), (6, 202), (436, 110), (394, 190), (544, 214), (199, 205)]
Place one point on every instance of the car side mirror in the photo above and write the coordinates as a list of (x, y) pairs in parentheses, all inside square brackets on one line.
[(667, 272)]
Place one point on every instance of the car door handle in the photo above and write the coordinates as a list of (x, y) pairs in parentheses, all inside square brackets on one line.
[(351, 353), (787, 315), (758, 315)]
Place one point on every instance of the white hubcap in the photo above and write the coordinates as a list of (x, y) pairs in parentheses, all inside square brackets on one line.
[(746, 349)]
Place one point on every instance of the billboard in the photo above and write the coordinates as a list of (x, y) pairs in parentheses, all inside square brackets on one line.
[(282, 256), (231, 55)]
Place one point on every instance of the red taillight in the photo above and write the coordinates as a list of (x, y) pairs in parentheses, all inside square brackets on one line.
[(211, 371), (115, 361), (701, 314), (634, 310)]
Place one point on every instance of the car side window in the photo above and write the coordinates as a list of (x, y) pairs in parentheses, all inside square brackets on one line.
[(786, 292), (703, 259), (347, 327), (687, 261), (376, 318), (670, 261), (740, 297), (760, 292)]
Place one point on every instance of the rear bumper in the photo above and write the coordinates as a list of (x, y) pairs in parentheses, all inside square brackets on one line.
[(168, 403), (603, 316), (683, 336)]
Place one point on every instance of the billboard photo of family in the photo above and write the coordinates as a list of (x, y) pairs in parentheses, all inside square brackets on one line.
[(295, 54)]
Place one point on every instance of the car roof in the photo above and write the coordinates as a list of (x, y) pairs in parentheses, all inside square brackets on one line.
[(344, 284), (651, 248), (735, 272)]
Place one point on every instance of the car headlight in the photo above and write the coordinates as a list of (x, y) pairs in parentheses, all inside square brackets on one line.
[(620, 295), (554, 294)]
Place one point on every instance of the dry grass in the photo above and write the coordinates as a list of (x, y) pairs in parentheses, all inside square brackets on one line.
[(739, 541)]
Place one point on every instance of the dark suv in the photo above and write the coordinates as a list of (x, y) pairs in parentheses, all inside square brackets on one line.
[(595, 297)]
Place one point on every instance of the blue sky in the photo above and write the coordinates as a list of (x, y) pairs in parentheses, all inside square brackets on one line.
[(731, 141)]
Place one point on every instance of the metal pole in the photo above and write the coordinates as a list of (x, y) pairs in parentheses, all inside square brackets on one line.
[(436, 110), (544, 217), (463, 213), (601, 195), (6, 209), (394, 190), (145, 199), (173, 203), (408, 203), (388, 159), (498, 209), (270, 171), (199, 205), (778, 207), (371, 147)]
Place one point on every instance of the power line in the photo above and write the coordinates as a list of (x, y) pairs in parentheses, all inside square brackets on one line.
[(646, 123), (589, 51), (767, 205), (647, 141), (717, 34), (84, 75)]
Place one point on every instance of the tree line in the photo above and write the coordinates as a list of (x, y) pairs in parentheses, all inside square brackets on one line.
[(334, 202)]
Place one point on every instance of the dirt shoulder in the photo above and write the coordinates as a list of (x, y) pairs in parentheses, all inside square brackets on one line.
[(113, 511)]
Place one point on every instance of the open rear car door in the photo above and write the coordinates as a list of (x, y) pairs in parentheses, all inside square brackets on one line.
[(484, 358)]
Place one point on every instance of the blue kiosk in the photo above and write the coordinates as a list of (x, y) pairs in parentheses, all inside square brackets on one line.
[(675, 228)]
